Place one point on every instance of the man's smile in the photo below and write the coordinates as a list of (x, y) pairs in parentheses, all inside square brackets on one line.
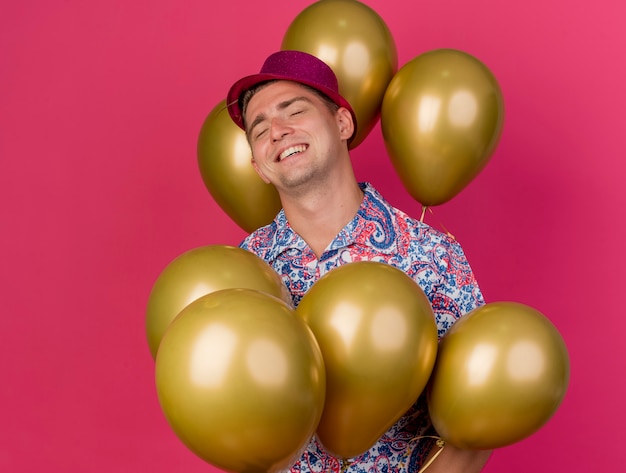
[(291, 151)]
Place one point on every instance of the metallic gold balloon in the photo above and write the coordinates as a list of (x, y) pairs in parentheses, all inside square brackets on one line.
[(441, 120), (241, 381), (501, 373), (378, 337), (356, 43), (201, 271), (224, 159)]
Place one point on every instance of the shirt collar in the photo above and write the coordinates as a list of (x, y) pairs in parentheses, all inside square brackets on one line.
[(370, 224), (364, 229)]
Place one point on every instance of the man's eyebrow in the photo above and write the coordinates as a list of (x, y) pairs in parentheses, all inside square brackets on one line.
[(281, 106), (286, 103), (259, 118)]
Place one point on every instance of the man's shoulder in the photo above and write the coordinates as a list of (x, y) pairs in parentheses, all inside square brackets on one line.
[(376, 204), (271, 240), (261, 241), (410, 230)]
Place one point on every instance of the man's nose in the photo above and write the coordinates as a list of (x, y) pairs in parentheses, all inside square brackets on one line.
[(279, 128)]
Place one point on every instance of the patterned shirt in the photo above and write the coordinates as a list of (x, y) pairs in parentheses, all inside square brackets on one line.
[(378, 232)]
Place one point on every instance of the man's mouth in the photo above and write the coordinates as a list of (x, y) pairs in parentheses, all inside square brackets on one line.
[(291, 151)]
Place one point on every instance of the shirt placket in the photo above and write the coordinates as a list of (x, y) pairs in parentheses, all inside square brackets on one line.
[(312, 265)]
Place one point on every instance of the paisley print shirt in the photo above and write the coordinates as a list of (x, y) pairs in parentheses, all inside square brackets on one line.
[(378, 232)]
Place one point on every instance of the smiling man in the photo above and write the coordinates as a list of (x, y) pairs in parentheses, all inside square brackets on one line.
[(299, 128)]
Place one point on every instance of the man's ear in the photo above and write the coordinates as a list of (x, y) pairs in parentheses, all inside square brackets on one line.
[(346, 124), (259, 172)]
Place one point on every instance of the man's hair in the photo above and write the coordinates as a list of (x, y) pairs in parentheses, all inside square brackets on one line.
[(246, 96)]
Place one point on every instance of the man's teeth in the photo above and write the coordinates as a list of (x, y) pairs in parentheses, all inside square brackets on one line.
[(291, 151)]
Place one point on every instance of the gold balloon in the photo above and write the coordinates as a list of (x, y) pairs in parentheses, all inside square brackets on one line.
[(378, 337), (501, 372), (240, 379), (441, 120), (224, 159), (201, 271), (356, 43)]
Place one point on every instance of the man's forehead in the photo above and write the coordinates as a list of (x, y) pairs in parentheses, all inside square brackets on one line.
[(279, 88)]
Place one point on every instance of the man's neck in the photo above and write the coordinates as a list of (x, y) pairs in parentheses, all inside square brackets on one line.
[(318, 216)]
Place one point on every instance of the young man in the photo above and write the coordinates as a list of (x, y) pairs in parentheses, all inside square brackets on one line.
[(299, 127)]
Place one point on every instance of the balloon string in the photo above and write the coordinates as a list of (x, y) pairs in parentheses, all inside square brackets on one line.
[(440, 443), (424, 208)]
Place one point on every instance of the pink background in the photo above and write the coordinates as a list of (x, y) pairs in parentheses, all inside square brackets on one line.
[(100, 108)]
